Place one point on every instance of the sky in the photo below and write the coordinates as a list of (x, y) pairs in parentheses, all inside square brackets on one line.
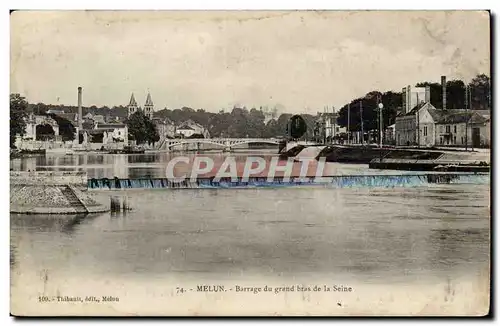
[(299, 61)]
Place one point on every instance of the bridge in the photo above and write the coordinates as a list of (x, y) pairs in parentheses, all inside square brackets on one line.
[(225, 143)]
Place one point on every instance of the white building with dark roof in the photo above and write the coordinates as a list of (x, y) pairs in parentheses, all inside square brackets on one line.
[(427, 126), (113, 132), (189, 128)]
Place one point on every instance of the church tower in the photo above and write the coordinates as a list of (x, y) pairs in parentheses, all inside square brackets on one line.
[(148, 107), (132, 106)]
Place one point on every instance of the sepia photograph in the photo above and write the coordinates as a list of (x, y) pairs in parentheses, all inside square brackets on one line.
[(250, 163)]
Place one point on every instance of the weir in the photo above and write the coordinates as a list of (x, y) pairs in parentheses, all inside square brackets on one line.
[(341, 181)]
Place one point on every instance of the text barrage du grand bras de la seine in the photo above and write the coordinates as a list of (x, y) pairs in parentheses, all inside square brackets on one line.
[(333, 288), (267, 289)]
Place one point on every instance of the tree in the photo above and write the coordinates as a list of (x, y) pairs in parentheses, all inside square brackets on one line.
[(152, 135), (18, 108), (256, 124), (45, 132), (480, 90), (66, 128), (455, 94), (392, 103), (142, 129)]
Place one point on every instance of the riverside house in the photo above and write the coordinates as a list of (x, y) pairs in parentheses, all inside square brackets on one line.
[(427, 126)]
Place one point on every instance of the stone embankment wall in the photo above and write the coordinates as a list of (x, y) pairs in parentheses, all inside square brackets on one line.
[(78, 179), (51, 193)]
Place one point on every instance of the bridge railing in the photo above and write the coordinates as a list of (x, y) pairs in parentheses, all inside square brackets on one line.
[(221, 141)]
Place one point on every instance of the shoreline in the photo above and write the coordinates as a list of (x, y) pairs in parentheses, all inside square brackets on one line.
[(393, 158)]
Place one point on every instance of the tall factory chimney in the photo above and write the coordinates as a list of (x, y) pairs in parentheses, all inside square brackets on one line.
[(80, 120), (409, 105), (443, 86), (427, 94), (403, 92)]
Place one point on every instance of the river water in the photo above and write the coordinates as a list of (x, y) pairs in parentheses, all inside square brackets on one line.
[(422, 250)]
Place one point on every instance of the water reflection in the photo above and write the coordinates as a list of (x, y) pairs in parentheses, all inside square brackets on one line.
[(459, 246), (143, 158), (151, 164), (383, 234), (272, 231), (67, 223), (12, 259)]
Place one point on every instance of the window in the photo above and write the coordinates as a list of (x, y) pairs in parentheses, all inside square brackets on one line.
[(462, 140), (448, 129), (455, 129), (425, 131), (454, 139)]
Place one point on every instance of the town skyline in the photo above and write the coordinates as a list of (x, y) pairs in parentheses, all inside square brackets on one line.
[(218, 60)]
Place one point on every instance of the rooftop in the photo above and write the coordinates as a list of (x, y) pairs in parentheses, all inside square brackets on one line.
[(110, 125), (72, 117), (185, 127), (457, 116)]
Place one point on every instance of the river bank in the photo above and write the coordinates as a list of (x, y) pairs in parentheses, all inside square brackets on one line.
[(15, 153), (395, 158)]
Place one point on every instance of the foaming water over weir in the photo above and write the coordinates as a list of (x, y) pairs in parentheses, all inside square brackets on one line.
[(341, 181)]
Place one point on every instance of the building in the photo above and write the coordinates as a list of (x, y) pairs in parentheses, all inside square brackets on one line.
[(413, 96), (132, 105), (390, 134), (327, 127), (98, 118), (53, 111), (427, 126), (114, 132), (71, 117), (405, 127), (462, 128), (269, 114), (165, 128), (106, 133), (148, 106), (33, 121), (190, 128), (185, 131)]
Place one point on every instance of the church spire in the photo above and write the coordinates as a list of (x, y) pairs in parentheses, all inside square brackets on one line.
[(132, 101), (149, 106), (132, 106), (149, 102)]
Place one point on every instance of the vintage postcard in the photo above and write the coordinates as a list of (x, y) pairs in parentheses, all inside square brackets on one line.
[(250, 163)]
